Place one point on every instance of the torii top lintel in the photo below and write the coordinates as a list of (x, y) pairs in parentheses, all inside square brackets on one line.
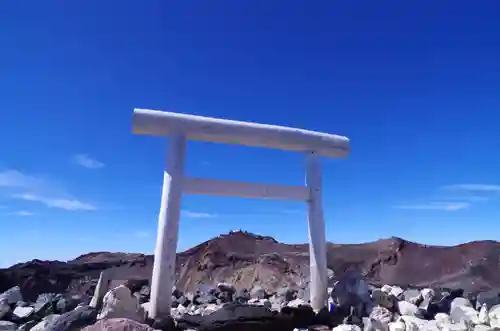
[(160, 123)]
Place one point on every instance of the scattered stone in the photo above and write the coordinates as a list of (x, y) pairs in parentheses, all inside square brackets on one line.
[(353, 306)]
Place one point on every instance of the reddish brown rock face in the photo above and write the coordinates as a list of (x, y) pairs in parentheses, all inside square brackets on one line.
[(244, 259)]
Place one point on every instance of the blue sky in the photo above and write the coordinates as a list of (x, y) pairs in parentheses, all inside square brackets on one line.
[(414, 85)]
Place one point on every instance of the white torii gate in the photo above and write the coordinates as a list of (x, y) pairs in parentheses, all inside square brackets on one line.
[(182, 127)]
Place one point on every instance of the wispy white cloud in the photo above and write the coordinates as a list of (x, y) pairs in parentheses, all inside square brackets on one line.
[(445, 206), (22, 213), (474, 188), (194, 214), (87, 161), (469, 192), (16, 179), (66, 204), (19, 185)]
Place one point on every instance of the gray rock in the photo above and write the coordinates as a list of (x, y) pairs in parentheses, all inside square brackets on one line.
[(7, 326), (75, 319), (351, 291), (380, 318), (413, 296), (12, 295), (460, 302), (4, 308), (384, 299), (225, 287), (28, 326), (258, 292), (118, 324), (42, 325), (287, 294), (46, 303), (490, 298), (22, 312)]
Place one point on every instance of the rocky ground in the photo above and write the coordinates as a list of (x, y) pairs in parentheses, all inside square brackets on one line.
[(354, 305), (262, 277)]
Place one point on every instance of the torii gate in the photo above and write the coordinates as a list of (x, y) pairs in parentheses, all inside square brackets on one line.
[(182, 127)]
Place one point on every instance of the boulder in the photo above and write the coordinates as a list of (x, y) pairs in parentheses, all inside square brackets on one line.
[(494, 316), (490, 298), (12, 295), (483, 314), (45, 322), (413, 296), (8, 326), (78, 318), (120, 303), (118, 324), (237, 317), (464, 314), (460, 302), (301, 316), (408, 309), (21, 313), (4, 307), (380, 318), (346, 327), (258, 292)]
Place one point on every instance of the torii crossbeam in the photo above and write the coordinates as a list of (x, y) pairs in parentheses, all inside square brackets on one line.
[(183, 127)]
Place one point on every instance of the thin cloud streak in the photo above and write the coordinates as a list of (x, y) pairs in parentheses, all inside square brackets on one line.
[(22, 213), (87, 161), (66, 204), (194, 214), (19, 185), (16, 179), (486, 188), (445, 206)]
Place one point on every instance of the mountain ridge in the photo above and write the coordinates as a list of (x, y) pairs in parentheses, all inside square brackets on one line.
[(247, 259)]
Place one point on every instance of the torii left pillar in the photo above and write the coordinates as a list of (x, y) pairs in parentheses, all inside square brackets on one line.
[(163, 278)]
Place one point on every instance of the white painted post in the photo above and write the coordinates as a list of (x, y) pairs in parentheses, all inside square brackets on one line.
[(163, 277), (317, 240), (101, 289)]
